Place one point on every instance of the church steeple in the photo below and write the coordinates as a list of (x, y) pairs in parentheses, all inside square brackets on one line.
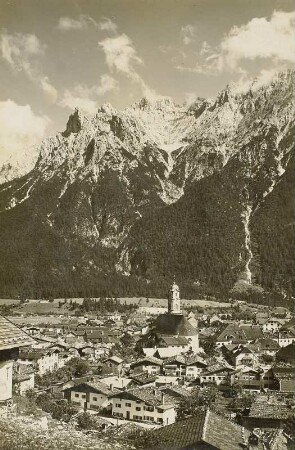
[(174, 299)]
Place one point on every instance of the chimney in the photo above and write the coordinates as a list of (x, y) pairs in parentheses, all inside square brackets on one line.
[(163, 398), (111, 387)]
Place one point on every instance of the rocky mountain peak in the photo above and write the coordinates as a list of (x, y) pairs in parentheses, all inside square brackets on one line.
[(75, 123)]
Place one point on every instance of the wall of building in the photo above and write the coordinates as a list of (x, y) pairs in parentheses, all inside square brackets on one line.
[(137, 410), (5, 380)]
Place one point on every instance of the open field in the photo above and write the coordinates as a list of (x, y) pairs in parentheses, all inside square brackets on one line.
[(8, 301)]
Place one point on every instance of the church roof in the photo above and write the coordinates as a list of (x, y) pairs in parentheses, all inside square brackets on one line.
[(174, 325)]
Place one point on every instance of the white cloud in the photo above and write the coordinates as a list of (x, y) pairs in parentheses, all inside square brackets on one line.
[(18, 48), (260, 39), (83, 22), (188, 34), (121, 57), (67, 24), (107, 25), (85, 97), (107, 84), (20, 51), (48, 89), (20, 130)]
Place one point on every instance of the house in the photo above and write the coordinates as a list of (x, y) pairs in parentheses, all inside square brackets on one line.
[(284, 377), (177, 393), (261, 317), (235, 333), (142, 379), (248, 378), (264, 346), (148, 364), (204, 431), (239, 356), (175, 366), (286, 336), (287, 354), (195, 365), (115, 382), (23, 378), (170, 380), (12, 339), (267, 412), (43, 360), (145, 404), (281, 312), (272, 325), (112, 365), (217, 373), (93, 395)]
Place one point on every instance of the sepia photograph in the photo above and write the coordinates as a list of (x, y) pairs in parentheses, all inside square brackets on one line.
[(147, 223)]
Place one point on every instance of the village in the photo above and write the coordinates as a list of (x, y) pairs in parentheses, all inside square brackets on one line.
[(158, 370)]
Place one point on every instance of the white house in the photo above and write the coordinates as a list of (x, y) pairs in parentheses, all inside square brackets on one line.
[(149, 364), (89, 395), (194, 367), (146, 404), (42, 360), (272, 325)]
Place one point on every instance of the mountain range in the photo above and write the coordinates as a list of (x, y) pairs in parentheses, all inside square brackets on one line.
[(120, 202)]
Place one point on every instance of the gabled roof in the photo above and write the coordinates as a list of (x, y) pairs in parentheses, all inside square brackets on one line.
[(217, 368), (176, 391), (12, 336), (205, 427), (265, 344), (269, 407), (147, 360), (178, 359), (195, 360), (149, 395), (92, 386), (240, 333), (115, 359), (143, 378)]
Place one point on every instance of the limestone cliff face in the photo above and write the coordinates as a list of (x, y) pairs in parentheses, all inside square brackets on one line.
[(130, 191)]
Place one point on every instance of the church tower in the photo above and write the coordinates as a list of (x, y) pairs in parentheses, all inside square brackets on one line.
[(174, 299)]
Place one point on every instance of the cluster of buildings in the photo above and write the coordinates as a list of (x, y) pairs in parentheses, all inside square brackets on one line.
[(168, 358)]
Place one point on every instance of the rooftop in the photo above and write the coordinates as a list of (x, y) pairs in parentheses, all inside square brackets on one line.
[(174, 325), (11, 336), (207, 428)]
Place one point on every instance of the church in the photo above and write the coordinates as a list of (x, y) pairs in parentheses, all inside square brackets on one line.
[(172, 329)]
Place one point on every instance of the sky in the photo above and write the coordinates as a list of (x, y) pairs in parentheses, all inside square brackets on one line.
[(56, 55)]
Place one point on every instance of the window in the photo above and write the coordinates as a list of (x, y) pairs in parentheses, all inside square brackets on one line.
[(83, 395), (118, 405), (128, 404), (94, 399), (138, 401), (149, 408), (76, 395), (138, 408), (159, 420)]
